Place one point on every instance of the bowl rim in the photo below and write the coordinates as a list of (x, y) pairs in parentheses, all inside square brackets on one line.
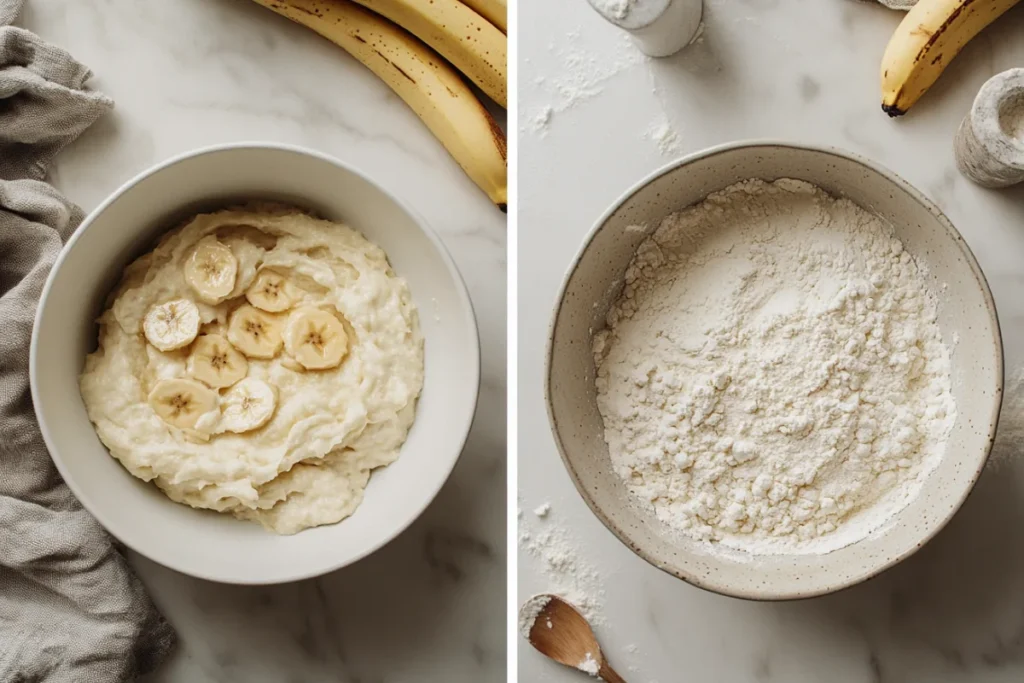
[(473, 362), (892, 177)]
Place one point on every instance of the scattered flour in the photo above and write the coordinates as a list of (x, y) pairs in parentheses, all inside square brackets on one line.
[(541, 119), (529, 612), (772, 369), (589, 665), (662, 134), (542, 510), (582, 74), (566, 574), (899, 4)]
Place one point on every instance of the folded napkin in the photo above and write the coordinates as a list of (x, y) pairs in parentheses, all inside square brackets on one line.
[(71, 610)]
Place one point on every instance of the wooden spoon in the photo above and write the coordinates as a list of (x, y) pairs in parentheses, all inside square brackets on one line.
[(560, 632)]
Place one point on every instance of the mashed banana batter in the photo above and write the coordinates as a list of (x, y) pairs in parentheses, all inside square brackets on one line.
[(260, 362)]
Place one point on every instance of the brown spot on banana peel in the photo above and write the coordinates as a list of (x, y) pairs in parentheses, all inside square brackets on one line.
[(392, 64), (402, 71)]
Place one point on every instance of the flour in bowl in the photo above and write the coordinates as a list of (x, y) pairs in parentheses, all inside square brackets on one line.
[(772, 377)]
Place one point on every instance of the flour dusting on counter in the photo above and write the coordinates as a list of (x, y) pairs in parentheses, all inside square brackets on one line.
[(565, 571), (665, 137)]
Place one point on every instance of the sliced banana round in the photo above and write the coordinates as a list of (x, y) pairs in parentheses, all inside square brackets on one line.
[(182, 402), (215, 362), (315, 338), (211, 270), (172, 324), (248, 405), (255, 333), (270, 291)]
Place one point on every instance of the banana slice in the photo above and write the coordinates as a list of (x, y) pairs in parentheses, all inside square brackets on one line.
[(270, 291), (247, 405), (315, 338), (211, 270), (171, 325), (255, 333), (215, 362), (182, 402)]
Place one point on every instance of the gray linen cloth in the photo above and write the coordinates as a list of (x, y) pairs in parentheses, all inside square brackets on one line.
[(71, 610)]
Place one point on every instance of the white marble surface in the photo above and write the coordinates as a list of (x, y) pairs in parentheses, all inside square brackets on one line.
[(803, 71), (429, 606)]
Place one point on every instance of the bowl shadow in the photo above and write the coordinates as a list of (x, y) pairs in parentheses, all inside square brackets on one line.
[(961, 597)]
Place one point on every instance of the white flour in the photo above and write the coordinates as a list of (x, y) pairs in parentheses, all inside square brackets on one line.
[(584, 68), (772, 370), (529, 612), (566, 573), (662, 134), (589, 665)]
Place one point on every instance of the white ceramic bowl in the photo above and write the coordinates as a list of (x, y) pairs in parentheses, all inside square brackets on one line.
[(590, 287), (207, 544)]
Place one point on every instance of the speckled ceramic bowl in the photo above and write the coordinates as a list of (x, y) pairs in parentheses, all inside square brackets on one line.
[(594, 281)]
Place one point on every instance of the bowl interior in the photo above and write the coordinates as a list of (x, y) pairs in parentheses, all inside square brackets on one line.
[(966, 310), (208, 544)]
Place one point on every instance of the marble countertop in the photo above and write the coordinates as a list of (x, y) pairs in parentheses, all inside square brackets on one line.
[(595, 117), (428, 607)]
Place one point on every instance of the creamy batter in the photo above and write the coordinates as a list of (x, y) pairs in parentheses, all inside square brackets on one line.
[(298, 377)]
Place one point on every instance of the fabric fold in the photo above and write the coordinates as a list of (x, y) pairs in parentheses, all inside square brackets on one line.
[(71, 609)]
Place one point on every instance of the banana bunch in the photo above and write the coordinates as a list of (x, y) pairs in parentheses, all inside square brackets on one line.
[(403, 41), (930, 36)]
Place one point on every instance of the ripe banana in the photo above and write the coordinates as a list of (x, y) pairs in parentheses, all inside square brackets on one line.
[(182, 402), (420, 77), (270, 291), (248, 405), (495, 11), (255, 333), (315, 338), (211, 270), (171, 325), (472, 44), (215, 362), (931, 34)]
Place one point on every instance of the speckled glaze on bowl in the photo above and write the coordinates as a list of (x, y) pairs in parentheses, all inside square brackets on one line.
[(594, 280)]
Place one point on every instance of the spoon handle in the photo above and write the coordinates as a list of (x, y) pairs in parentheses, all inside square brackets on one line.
[(608, 675)]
